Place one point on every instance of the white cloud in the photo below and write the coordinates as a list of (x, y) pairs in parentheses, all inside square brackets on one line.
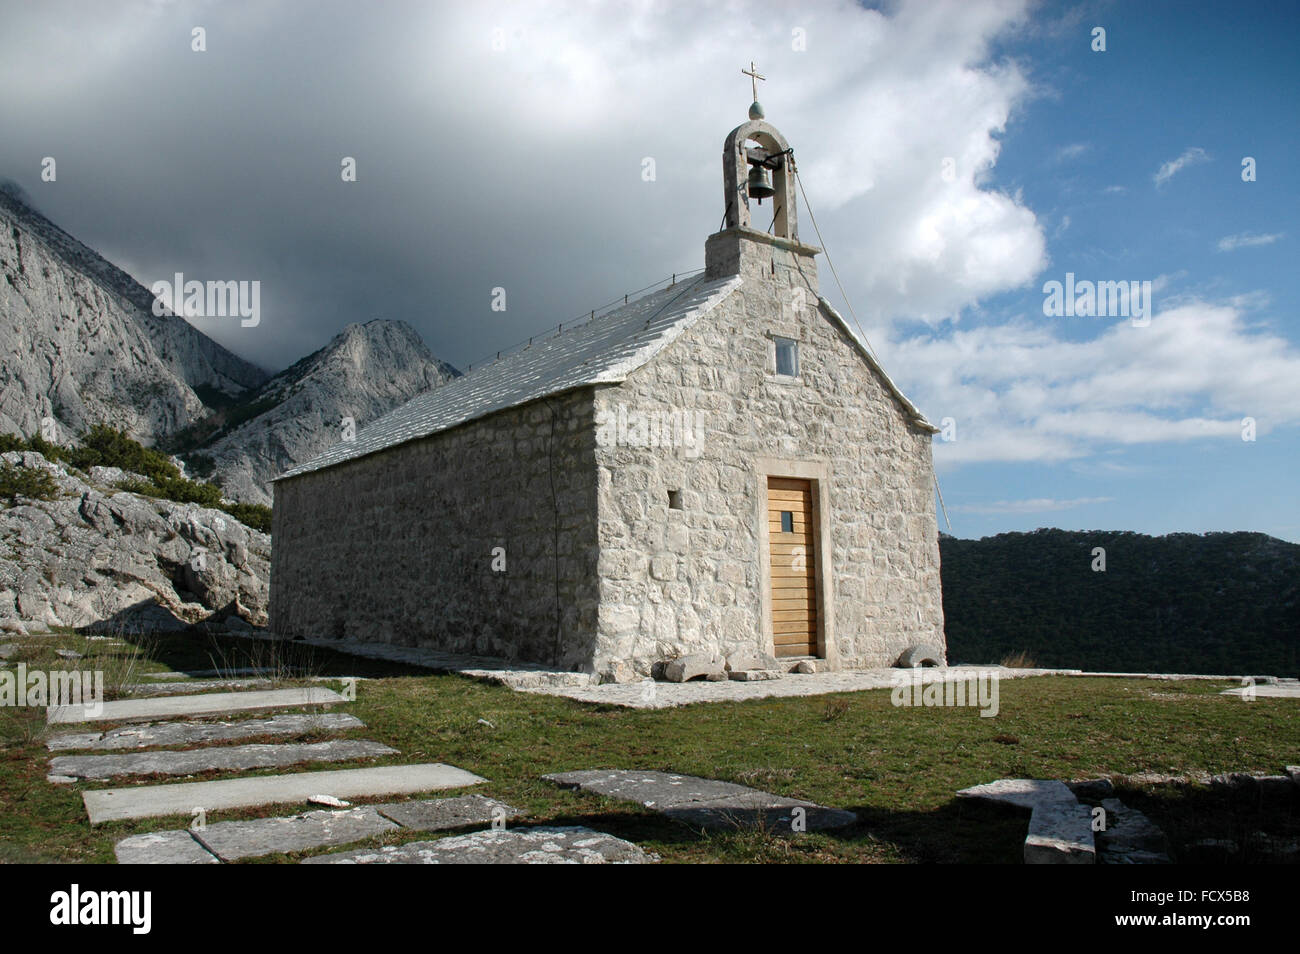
[(1171, 168), (1231, 243), (1024, 392), (1036, 505)]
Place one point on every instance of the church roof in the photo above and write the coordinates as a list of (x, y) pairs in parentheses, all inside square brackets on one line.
[(604, 350)]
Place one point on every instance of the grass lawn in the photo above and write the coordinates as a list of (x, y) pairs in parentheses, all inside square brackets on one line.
[(898, 768)]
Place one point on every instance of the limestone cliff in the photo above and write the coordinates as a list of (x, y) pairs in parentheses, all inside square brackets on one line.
[(82, 346)]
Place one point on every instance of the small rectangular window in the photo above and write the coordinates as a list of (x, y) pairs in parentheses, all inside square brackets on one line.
[(787, 521), (674, 500), (787, 357)]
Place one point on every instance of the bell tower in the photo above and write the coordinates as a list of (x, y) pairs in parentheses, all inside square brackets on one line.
[(757, 165)]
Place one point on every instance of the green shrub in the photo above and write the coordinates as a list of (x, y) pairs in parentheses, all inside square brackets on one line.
[(178, 489), (28, 482), (254, 516), (102, 446)]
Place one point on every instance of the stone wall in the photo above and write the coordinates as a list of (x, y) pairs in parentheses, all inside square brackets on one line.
[(398, 546), (678, 581)]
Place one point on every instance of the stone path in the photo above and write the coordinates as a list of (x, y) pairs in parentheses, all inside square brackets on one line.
[(235, 840), (198, 733), (230, 841), (1060, 828), (520, 846), (225, 758), (116, 804), (706, 803), (213, 703)]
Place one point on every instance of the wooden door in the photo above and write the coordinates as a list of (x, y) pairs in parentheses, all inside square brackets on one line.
[(794, 566)]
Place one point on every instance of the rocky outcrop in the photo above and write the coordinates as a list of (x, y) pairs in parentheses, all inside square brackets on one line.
[(363, 373), (107, 559)]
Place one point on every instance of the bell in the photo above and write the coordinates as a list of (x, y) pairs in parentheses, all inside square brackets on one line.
[(760, 184)]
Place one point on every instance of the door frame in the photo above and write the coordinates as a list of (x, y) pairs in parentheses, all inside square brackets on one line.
[(818, 474)]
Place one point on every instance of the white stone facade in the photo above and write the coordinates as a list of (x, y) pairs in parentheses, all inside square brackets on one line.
[(630, 505)]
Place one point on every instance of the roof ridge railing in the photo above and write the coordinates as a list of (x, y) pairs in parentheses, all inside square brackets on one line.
[(580, 322)]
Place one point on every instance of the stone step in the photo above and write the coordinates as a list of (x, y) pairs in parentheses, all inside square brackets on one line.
[(156, 734), (231, 758), (511, 846), (235, 840), (182, 798), (213, 703), (706, 803)]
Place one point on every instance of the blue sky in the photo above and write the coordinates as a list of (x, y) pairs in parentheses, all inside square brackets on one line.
[(958, 154), (1203, 81)]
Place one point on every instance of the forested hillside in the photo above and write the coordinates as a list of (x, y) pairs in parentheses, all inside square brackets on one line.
[(1212, 603)]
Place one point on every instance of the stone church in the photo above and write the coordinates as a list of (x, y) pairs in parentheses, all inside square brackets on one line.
[(718, 467)]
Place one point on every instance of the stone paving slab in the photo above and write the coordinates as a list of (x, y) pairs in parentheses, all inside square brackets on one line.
[(233, 758), (1060, 833), (512, 846), (213, 703), (440, 814), (1060, 827), (163, 848), (1021, 792), (705, 803), (155, 734), (181, 798), (1266, 691), (233, 840)]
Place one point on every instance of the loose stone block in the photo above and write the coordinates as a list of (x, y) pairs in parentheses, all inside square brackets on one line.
[(163, 848), (756, 675), (748, 659), (213, 703), (227, 759), (694, 665), (116, 804), (200, 733), (233, 840), (512, 846), (707, 803), (440, 814)]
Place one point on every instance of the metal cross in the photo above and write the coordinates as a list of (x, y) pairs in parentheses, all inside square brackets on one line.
[(754, 77)]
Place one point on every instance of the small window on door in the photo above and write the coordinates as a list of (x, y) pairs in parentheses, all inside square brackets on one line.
[(787, 521), (787, 357)]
